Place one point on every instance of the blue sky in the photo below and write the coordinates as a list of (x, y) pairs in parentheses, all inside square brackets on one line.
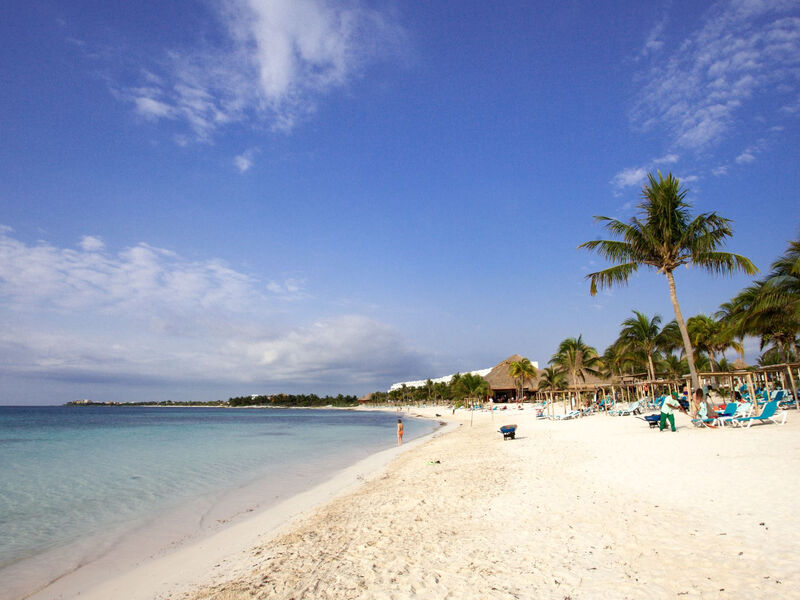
[(202, 199)]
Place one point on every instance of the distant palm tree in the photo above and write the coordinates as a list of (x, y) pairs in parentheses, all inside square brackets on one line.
[(702, 330), (770, 307), (617, 360), (552, 379), (665, 237), (712, 337), (642, 333), (577, 359), (727, 315), (672, 367), (521, 370), (473, 388)]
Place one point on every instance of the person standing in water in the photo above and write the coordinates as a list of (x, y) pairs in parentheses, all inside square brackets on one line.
[(399, 431)]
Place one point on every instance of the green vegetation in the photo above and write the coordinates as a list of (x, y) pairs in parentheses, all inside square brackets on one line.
[(288, 400)]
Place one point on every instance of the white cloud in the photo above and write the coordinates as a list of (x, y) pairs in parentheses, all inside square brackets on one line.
[(743, 50), (745, 158), (244, 161), (277, 59), (653, 43), (146, 314), (721, 170), (636, 176), (633, 176), (152, 108), (668, 159), (91, 243)]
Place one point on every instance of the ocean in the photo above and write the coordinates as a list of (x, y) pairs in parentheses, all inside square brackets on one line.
[(76, 481)]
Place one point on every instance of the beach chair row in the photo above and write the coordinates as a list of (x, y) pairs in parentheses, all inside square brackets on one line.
[(740, 414)]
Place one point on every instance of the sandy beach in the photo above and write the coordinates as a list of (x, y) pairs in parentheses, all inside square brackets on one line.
[(600, 507)]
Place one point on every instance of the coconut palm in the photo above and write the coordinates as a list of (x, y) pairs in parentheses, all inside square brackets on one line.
[(702, 330), (577, 359), (521, 370), (727, 315), (770, 308), (664, 237), (672, 367), (644, 334), (552, 379), (618, 359), (473, 388)]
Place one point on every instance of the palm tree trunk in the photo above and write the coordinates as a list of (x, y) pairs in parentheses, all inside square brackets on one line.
[(652, 368), (687, 345)]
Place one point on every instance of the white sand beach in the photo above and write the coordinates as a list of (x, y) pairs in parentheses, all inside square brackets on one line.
[(600, 507)]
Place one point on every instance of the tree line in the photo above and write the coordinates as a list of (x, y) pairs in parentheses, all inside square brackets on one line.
[(294, 400)]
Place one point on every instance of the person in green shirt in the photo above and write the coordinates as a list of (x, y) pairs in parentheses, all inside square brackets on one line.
[(668, 413)]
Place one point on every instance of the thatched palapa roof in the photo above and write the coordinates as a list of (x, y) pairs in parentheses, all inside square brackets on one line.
[(499, 378)]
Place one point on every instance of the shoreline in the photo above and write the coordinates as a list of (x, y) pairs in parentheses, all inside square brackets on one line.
[(599, 507), (106, 576)]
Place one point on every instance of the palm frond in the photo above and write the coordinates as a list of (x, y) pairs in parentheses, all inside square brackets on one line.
[(725, 263), (618, 274)]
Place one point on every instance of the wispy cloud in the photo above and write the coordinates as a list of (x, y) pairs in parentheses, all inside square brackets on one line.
[(636, 176), (278, 58), (244, 161), (743, 50), (654, 42), (145, 314), (720, 171)]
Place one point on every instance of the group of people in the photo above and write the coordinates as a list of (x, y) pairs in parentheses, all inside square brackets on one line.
[(701, 406)]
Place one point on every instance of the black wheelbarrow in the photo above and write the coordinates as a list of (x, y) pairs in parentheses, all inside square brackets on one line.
[(508, 431)]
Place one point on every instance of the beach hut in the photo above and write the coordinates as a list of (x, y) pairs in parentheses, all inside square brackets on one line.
[(504, 387)]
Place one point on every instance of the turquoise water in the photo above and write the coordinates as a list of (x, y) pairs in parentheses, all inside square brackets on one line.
[(72, 473)]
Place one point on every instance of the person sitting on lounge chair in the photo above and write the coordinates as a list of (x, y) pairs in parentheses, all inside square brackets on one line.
[(704, 409)]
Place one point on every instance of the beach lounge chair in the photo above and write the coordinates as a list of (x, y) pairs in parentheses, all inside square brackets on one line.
[(768, 415), (508, 431), (743, 409), (615, 412), (720, 419), (629, 409), (570, 415)]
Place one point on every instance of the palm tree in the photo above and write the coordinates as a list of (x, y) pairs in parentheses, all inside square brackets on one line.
[(702, 330), (472, 387), (550, 380), (521, 370), (576, 359), (672, 366), (644, 334), (617, 360), (665, 237), (770, 308)]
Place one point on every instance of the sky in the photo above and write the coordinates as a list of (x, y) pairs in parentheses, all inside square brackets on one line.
[(205, 199)]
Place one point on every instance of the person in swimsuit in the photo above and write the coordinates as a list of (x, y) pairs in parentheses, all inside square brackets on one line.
[(399, 431)]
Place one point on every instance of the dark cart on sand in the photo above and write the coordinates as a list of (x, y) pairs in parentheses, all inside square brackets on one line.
[(508, 431), (651, 420)]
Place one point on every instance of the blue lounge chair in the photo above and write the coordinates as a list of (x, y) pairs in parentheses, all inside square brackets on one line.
[(720, 419), (766, 416)]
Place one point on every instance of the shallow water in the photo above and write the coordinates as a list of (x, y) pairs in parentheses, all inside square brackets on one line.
[(69, 474)]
